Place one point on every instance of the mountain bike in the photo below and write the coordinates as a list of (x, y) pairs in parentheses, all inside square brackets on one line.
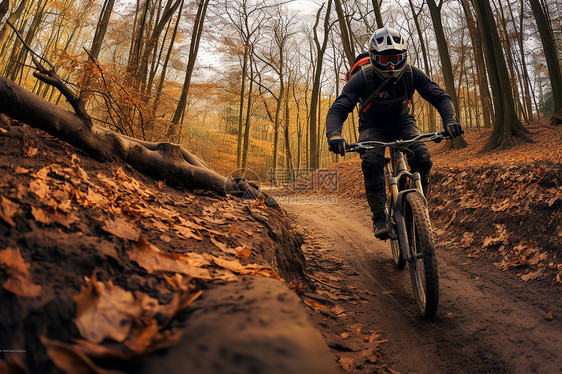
[(411, 237)]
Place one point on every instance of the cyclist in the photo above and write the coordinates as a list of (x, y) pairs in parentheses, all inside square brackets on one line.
[(385, 90)]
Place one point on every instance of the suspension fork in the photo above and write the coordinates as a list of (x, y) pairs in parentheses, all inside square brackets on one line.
[(400, 166)]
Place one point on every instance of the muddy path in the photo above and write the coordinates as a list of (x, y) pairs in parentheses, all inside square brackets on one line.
[(488, 320)]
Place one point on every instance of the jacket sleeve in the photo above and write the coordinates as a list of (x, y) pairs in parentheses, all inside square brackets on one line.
[(344, 104), (435, 95)]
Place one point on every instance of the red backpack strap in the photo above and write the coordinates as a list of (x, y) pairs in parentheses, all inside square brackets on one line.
[(359, 63)]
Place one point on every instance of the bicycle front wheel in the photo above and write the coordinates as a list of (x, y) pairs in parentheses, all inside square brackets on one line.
[(422, 264)]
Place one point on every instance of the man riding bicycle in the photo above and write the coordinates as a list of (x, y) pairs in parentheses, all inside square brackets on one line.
[(385, 88)]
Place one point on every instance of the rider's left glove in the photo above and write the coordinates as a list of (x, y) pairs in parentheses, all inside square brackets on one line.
[(454, 129), (337, 145)]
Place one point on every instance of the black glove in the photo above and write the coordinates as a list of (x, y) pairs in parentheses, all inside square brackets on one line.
[(337, 145), (454, 129)]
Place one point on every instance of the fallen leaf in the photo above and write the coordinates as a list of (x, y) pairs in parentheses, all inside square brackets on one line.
[(339, 311), (243, 253), (314, 304), (19, 278), (8, 209), (41, 215), (93, 198), (532, 275), (70, 359), (139, 342), (65, 219), (347, 363), (153, 259), (121, 228), (236, 267), (20, 170), (223, 246), (186, 232), (105, 311), (344, 335), (30, 151), (549, 316), (39, 187)]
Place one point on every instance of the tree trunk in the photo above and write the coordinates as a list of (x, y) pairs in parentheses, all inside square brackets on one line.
[(549, 47), (193, 50), (288, 154), (101, 28), (506, 124), (246, 146), (346, 37), (241, 109), (142, 70), (378, 15), (485, 99), (138, 36), (11, 17), (313, 125), (446, 65), (166, 60)]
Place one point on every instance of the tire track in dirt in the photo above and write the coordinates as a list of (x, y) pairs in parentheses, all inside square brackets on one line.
[(487, 320)]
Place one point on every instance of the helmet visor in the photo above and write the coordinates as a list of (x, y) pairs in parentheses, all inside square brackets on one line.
[(386, 61)]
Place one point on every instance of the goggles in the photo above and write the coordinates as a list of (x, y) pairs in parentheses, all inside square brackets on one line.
[(394, 60)]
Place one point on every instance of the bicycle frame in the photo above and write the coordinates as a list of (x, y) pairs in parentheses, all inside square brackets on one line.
[(401, 173), (397, 175)]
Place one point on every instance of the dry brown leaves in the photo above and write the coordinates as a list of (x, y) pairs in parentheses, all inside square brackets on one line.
[(152, 259), (70, 359), (19, 278), (359, 357), (106, 312), (8, 209), (250, 269)]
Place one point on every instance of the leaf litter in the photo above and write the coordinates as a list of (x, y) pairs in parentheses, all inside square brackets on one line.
[(150, 253)]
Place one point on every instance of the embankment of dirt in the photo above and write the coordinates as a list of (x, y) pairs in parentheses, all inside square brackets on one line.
[(101, 267)]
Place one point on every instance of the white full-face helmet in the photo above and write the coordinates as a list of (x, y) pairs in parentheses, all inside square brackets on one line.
[(387, 49)]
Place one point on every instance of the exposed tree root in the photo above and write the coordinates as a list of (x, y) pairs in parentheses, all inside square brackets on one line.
[(164, 161)]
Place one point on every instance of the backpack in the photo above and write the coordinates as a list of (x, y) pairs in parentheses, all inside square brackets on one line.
[(363, 62)]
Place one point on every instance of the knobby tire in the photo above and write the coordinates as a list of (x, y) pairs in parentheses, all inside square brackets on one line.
[(423, 271)]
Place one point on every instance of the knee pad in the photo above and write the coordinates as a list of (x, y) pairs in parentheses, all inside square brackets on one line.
[(421, 162)]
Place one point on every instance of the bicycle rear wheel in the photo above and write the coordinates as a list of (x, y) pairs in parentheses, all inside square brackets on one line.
[(423, 264)]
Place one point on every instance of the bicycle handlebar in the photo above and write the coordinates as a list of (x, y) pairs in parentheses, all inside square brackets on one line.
[(370, 144)]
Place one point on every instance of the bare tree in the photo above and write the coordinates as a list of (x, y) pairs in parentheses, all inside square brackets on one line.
[(446, 66), (315, 95), (549, 47), (193, 50), (506, 123)]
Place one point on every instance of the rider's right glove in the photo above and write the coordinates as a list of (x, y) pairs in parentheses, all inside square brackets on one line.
[(454, 129), (337, 145)]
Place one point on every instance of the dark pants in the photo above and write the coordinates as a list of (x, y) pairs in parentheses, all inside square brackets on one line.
[(372, 161)]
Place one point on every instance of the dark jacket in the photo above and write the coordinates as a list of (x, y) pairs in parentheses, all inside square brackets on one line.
[(382, 114)]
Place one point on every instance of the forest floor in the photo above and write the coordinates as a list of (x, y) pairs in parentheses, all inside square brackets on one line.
[(497, 220), (105, 270)]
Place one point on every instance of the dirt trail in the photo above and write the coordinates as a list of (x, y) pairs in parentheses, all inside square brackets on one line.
[(488, 321)]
